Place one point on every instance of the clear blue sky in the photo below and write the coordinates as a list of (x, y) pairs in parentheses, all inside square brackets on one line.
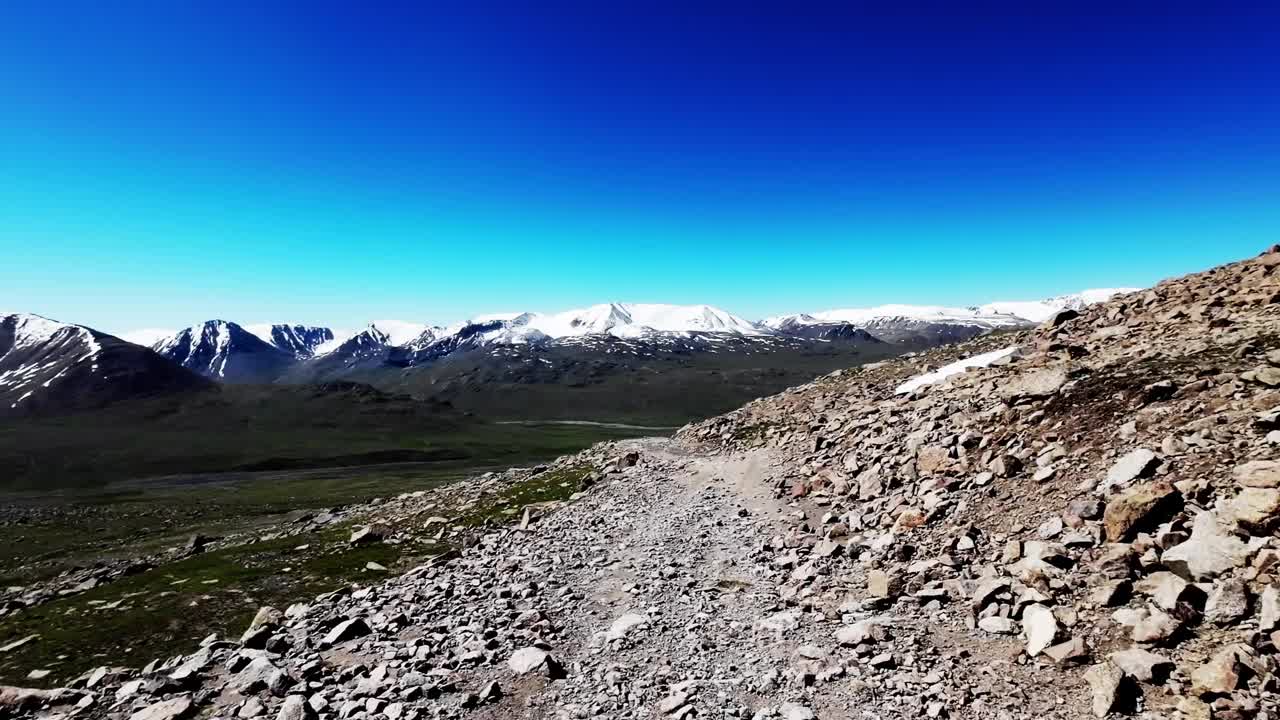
[(166, 162)]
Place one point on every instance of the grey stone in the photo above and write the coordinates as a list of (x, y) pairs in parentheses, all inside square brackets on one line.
[(1209, 552), (172, 709), (347, 630), (1139, 463), (1227, 603), (1142, 664)]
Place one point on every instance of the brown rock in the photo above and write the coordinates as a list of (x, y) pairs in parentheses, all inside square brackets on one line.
[(1220, 675), (1141, 507), (932, 458)]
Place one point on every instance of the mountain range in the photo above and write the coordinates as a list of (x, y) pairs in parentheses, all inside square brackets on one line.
[(231, 352), (49, 366)]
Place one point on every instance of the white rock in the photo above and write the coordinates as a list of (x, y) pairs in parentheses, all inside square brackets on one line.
[(1041, 628), (624, 625)]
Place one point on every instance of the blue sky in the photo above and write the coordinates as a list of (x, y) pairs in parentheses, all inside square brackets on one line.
[(165, 163)]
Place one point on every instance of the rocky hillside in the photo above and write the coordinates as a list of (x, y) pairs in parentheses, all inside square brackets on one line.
[(1082, 526), (1098, 512)]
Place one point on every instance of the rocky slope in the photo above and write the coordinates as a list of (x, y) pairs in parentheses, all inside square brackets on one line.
[(1083, 526)]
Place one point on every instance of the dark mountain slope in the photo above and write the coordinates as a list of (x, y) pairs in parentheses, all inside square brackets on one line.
[(48, 367)]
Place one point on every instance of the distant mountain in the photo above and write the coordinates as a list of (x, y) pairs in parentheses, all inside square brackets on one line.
[(806, 326), (918, 325), (936, 324), (381, 344), (898, 316), (48, 367), (225, 351)]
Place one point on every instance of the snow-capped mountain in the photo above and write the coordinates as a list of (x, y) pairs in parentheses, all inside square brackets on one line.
[(225, 351), (300, 341), (1037, 311), (46, 365), (376, 335), (918, 324), (403, 344), (901, 316), (637, 320), (296, 353), (991, 316)]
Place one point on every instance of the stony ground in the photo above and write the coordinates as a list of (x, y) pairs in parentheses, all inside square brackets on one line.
[(1087, 528)]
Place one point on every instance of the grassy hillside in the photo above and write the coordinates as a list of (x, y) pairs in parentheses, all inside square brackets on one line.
[(659, 389), (259, 428)]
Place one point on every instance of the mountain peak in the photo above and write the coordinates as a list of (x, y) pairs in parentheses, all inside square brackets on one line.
[(224, 350), (47, 365), (300, 341)]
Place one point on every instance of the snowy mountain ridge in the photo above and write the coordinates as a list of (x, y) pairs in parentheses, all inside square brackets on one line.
[(299, 340), (638, 320), (990, 316), (226, 351)]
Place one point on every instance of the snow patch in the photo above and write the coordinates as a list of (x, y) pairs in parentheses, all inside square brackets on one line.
[(956, 368)]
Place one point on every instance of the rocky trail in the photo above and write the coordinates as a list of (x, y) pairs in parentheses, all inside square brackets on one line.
[(1085, 527)]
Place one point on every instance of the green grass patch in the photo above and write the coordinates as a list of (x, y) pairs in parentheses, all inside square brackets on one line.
[(167, 610), (549, 486)]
